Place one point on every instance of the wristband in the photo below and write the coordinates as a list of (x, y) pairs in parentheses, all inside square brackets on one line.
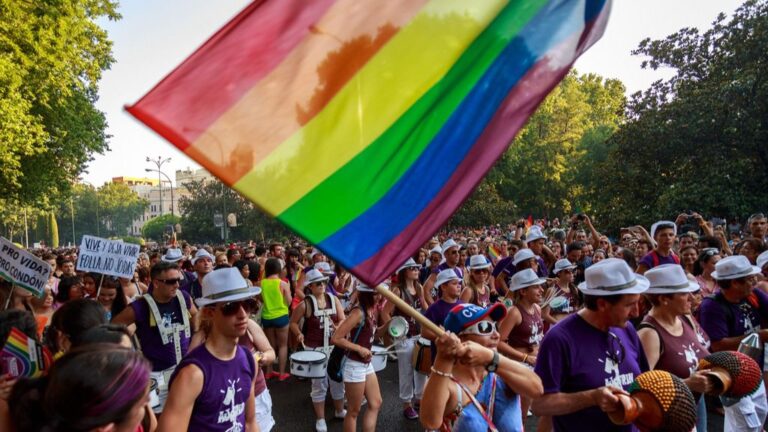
[(441, 373), (494, 364)]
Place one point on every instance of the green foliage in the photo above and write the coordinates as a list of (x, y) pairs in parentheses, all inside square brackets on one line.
[(211, 197), (119, 206), (135, 240), (51, 58), (155, 227), (700, 139)]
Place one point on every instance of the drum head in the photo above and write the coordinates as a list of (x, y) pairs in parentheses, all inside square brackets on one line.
[(558, 302), (398, 327), (310, 357)]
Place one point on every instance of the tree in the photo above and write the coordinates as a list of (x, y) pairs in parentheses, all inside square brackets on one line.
[(119, 207), (208, 198), (156, 227), (54, 229), (51, 58), (698, 140)]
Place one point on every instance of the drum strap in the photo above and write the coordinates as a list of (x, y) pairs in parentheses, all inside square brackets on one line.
[(173, 334), (488, 417), (325, 317)]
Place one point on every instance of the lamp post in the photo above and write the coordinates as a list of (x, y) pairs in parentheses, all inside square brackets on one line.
[(173, 203), (159, 163)]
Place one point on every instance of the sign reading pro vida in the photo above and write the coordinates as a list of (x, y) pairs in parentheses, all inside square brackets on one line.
[(109, 257), (22, 268)]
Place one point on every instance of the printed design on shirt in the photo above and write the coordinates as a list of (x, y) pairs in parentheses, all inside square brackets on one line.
[(536, 336), (702, 340), (689, 353), (167, 320), (749, 317), (615, 377), (230, 411)]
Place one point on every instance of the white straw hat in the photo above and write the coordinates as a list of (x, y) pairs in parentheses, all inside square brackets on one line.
[(534, 233), (762, 259), (172, 255), (447, 245), (313, 276), (478, 262), (410, 263), (202, 253), (663, 224), (612, 276), (225, 285), (734, 267), (522, 255), (669, 279), (563, 264), (446, 275), (524, 279)]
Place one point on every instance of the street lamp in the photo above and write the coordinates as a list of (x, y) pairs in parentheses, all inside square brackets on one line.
[(169, 182), (159, 163)]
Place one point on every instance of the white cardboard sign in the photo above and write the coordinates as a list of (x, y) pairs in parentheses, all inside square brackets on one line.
[(22, 268), (109, 257)]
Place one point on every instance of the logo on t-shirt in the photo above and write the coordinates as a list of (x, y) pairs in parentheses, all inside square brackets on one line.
[(689, 352), (233, 412), (615, 377)]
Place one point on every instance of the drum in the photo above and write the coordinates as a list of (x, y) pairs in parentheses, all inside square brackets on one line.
[(421, 359), (398, 327), (379, 359), (309, 364)]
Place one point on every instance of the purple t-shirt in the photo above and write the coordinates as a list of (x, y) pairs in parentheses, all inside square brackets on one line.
[(575, 356), (437, 311), (509, 269), (739, 319), (501, 266), (445, 266), (161, 356), (220, 406), (647, 260)]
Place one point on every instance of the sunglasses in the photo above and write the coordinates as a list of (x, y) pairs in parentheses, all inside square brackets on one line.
[(452, 252), (482, 328), (174, 281), (233, 307), (413, 268), (250, 257), (710, 252), (480, 271)]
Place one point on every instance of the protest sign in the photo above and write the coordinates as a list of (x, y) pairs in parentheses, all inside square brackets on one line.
[(22, 268), (109, 257)]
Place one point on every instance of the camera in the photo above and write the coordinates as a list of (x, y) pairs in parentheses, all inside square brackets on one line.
[(580, 217)]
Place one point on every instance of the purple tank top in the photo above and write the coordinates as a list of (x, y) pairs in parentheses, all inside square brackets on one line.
[(220, 406), (313, 326), (680, 354), (364, 339), (529, 332), (161, 356)]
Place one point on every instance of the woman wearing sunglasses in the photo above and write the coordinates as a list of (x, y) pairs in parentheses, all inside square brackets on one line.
[(321, 313), (563, 296), (212, 388), (410, 381), (472, 387), (668, 334), (477, 290), (703, 268), (523, 328)]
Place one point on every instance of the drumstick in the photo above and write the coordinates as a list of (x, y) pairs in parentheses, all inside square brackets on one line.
[(409, 310)]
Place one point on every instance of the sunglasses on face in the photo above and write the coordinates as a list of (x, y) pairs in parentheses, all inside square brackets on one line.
[(482, 328), (452, 252), (233, 307), (413, 268), (174, 281), (481, 271)]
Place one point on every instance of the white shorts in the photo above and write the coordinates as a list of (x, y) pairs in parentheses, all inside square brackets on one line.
[(264, 411), (355, 371), (162, 378)]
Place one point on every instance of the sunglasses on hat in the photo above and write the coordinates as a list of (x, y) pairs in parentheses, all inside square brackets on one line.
[(482, 328)]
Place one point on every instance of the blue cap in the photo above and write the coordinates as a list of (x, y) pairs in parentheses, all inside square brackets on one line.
[(466, 314)]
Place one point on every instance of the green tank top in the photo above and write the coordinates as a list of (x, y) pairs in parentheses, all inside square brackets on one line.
[(274, 303)]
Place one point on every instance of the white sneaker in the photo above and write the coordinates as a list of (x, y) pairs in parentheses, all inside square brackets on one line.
[(320, 426), (340, 414)]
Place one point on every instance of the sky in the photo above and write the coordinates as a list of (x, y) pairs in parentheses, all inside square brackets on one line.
[(153, 37)]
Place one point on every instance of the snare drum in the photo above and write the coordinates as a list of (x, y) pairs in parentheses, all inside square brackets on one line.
[(154, 398), (421, 358), (309, 364), (379, 358)]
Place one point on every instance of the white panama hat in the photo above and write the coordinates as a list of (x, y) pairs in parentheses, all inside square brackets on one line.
[(524, 279), (612, 276), (734, 267), (225, 285), (478, 262), (669, 279)]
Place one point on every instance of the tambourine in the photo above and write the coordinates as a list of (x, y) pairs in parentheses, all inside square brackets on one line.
[(657, 401), (734, 374)]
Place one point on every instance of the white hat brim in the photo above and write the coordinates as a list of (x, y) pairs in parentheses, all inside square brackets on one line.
[(534, 238), (755, 270), (480, 267), (171, 260), (692, 287), (640, 287), (309, 282), (540, 281), (571, 267), (254, 291)]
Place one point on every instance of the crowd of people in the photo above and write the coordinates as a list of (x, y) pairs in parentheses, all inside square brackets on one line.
[(546, 319)]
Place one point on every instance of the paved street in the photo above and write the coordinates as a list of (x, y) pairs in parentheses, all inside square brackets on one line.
[(292, 407)]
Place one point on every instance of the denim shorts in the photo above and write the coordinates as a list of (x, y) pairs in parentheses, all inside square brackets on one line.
[(278, 322)]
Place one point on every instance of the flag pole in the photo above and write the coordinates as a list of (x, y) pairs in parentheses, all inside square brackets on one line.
[(98, 291), (409, 310)]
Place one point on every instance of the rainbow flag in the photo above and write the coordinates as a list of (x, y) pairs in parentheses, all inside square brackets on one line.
[(494, 253), (23, 356), (363, 124)]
